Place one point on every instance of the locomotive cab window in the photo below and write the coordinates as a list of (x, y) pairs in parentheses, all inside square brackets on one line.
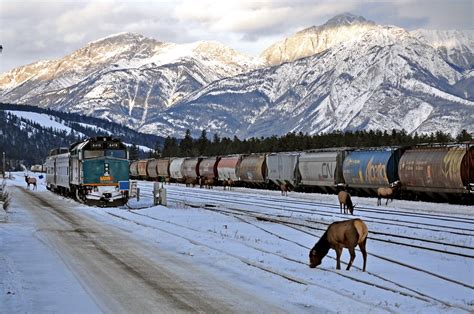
[(117, 153), (93, 154)]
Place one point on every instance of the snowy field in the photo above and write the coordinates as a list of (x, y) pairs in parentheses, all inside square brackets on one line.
[(420, 255)]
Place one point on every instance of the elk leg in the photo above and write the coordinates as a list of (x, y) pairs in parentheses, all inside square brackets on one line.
[(338, 257), (353, 255), (364, 252)]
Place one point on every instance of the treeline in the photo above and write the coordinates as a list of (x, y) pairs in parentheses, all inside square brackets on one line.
[(189, 147), (27, 142), (91, 126)]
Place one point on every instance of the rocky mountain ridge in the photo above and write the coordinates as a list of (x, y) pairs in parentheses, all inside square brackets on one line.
[(346, 74)]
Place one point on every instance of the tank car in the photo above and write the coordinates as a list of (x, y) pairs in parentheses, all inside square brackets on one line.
[(322, 170), (228, 168), (142, 169), (253, 170), (134, 169), (282, 168), (365, 170), (444, 172), (176, 169), (208, 168), (191, 168), (152, 170), (163, 169)]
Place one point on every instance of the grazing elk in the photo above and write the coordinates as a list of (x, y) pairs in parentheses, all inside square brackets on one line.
[(284, 188), (345, 200), (208, 183), (387, 192), (190, 182), (229, 183), (343, 234), (30, 180)]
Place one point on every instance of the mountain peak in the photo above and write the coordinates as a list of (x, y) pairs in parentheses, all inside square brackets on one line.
[(346, 19), (341, 20)]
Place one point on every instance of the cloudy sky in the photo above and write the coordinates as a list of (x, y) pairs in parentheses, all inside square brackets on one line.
[(32, 30)]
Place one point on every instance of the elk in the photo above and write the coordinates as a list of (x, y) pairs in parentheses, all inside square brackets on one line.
[(30, 180), (229, 183), (190, 182), (387, 192), (345, 199), (208, 183), (284, 188), (343, 234)]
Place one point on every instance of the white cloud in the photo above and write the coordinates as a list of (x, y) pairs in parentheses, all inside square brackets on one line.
[(32, 30)]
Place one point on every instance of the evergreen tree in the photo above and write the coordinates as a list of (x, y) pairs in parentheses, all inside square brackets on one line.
[(202, 143), (134, 152), (186, 145), (170, 147), (464, 136)]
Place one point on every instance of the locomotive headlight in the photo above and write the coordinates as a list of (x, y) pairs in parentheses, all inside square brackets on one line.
[(106, 169)]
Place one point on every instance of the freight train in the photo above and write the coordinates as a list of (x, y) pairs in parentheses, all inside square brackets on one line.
[(428, 172), (95, 171)]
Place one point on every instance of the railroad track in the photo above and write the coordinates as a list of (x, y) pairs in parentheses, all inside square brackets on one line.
[(469, 251), (291, 205), (402, 289)]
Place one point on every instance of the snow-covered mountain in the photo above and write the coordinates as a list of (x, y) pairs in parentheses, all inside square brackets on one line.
[(384, 79), (126, 78), (346, 74), (455, 46), (341, 28)]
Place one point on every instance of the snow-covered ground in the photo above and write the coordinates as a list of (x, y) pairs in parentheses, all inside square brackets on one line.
[(420, 255)]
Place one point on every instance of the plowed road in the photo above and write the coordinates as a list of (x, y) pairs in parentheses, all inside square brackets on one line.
[(121, 274)]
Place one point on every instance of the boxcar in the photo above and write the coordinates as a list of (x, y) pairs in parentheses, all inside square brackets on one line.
[(191, 167), (228, 168), (134, 169), (322, 169), (282, 168), (208, 168), (142, 167), (176, 169), (253, 169), (151, 169), (366, 170), (438, 170)]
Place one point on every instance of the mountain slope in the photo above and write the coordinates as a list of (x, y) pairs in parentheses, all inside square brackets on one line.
[(454, 46), (315, 39), (386, 79), (346, 74), (126, 77)]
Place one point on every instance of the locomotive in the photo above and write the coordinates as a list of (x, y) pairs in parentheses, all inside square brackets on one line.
[(94, 171), (428, 172)]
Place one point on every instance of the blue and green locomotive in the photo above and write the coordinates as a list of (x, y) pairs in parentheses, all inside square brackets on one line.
[(94, 171)]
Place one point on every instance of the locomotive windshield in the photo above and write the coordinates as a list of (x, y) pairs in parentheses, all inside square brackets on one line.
[(115, 153)]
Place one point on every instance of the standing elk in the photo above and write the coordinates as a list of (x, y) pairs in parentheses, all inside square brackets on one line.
[(208, 183), (30, 180), (345, 200), (343, 234), (284, 188), (190, 182), (229, 183), (387, 192)]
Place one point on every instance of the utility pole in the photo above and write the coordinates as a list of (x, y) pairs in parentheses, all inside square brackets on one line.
[(3, 169)]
